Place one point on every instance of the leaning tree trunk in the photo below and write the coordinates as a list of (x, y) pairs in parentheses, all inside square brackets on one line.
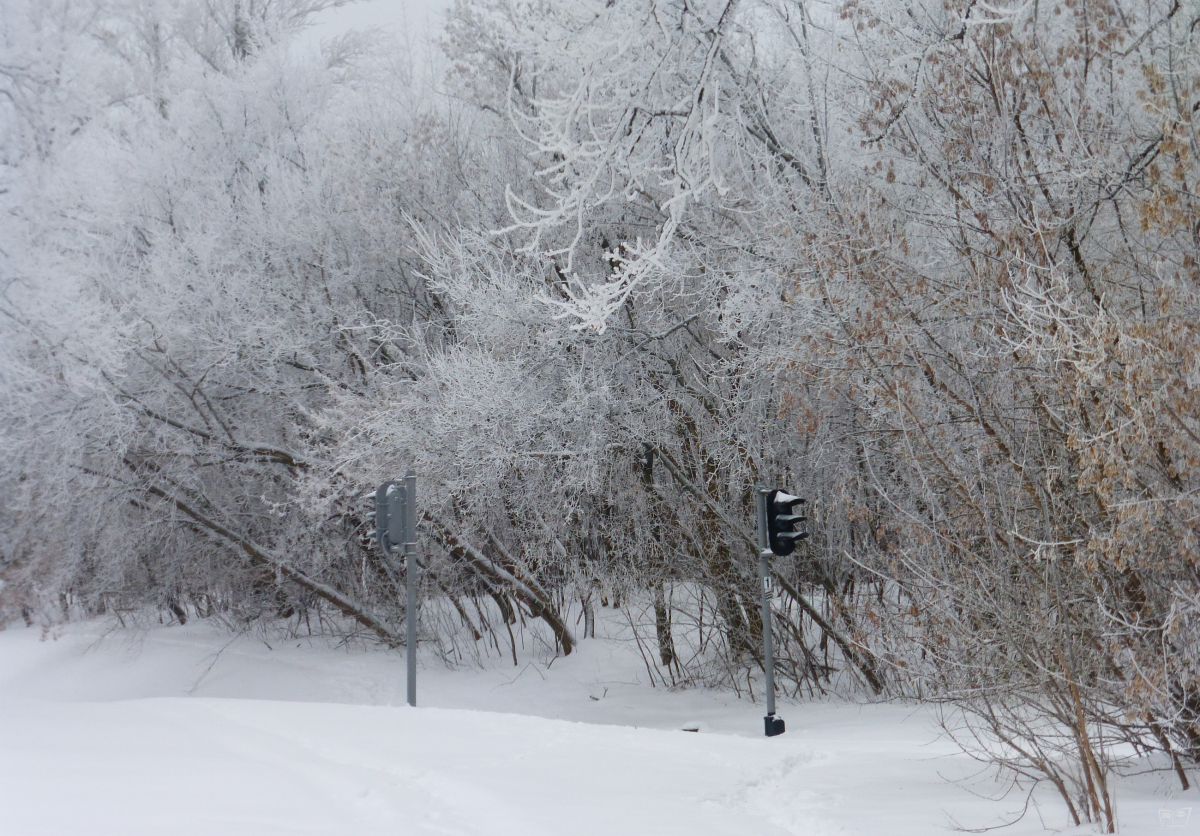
[(525, 589)]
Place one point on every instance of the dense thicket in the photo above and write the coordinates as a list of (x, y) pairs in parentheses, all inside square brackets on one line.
[(935, 265)]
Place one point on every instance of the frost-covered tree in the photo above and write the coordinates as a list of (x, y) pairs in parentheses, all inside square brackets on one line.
[(933, 264)]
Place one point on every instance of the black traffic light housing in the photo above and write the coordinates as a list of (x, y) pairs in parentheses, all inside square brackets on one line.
[(784, 525), (388, 518)]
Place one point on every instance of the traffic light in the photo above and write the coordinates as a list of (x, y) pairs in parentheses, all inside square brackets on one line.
[(784, 526), (390, 501), (380, 519)]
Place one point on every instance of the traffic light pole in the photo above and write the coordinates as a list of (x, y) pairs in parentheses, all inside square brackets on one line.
[(396, 528), (412, 579), (772, 725)]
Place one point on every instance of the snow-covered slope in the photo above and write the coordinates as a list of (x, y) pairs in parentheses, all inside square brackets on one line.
[(183, 731)]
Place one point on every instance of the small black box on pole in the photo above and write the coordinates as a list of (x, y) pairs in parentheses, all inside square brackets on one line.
[(773, 725)]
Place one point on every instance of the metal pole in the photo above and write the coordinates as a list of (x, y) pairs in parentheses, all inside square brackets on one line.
[(412, 579), (764, 573)]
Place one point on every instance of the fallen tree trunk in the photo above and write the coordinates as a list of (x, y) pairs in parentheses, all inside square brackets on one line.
[(257, 554)]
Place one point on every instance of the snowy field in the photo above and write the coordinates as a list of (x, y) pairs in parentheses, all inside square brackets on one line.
[(187, 730)]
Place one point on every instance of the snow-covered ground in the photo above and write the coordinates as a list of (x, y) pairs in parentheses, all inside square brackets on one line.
[(187, 730)]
